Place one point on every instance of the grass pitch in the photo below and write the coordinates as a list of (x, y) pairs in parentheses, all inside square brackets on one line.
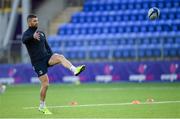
[(113, 100)]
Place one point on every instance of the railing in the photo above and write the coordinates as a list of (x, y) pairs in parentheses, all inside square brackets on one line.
[(12, 54)]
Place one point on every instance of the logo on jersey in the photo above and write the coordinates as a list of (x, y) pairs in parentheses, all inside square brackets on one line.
[(42, 34), (40, 72)]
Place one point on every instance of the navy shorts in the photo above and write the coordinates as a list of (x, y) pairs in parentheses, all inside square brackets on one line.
[(41, 67)]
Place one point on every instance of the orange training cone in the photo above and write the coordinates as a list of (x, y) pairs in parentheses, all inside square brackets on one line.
[(135, 102)]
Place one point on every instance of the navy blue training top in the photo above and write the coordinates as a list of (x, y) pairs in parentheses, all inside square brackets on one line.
[(37, 49)]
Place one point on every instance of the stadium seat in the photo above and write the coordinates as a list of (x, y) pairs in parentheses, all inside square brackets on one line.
[(124, 51), (120, 29), (99, 52), (75, 52), (147, 50)]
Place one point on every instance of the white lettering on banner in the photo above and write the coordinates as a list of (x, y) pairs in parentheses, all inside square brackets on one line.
[(35, 80), (70, 79), (103, 78), (7, 80), (170, 77), (139, 78)]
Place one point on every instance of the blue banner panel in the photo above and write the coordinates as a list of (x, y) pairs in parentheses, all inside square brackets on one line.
[(147, 71)]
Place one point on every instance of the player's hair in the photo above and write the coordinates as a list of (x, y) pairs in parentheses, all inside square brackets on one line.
[(31, 16)]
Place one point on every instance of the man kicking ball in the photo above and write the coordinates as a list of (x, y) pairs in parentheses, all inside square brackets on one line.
[(42, 57)]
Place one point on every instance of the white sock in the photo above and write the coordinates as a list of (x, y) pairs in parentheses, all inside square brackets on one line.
[(73, 68), (42, 104)]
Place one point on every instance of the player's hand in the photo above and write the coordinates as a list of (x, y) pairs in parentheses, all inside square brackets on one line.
[(36, 35)]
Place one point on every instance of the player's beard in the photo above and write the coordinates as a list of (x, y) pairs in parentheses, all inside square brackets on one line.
[(34, 26)]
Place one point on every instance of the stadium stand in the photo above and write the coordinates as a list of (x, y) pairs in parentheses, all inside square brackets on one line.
[(117, 29)]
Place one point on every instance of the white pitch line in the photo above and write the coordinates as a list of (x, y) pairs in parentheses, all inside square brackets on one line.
[(110, 104)]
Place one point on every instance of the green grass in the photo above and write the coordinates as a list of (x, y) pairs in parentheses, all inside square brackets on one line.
[(19, 96)]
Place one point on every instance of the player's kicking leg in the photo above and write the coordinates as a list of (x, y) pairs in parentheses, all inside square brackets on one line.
[(60, 59), (44, 86)]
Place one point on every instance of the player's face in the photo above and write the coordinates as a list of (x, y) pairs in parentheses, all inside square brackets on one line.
[(33, 22)]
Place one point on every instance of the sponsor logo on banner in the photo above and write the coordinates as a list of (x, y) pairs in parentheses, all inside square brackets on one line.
[(35, 80), (172, 76), (8, 80), (103, 78), (108, 69), (141, 76), (12, 72), (71, 79), (137, 77)]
